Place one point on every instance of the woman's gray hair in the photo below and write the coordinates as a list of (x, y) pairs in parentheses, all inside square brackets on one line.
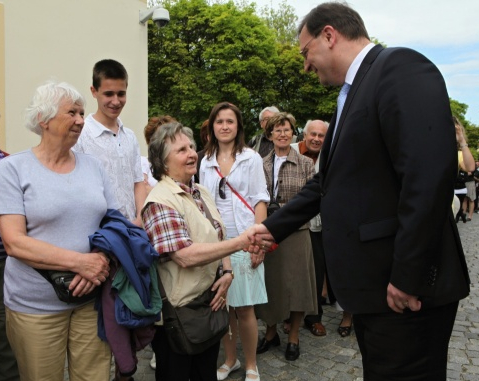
[(45, 102), (160, 146)]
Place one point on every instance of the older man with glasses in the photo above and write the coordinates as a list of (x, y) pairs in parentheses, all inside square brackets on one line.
[(260, 143)]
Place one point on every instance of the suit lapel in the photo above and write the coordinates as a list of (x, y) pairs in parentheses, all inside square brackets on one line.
[(363, 69), (324, 155)]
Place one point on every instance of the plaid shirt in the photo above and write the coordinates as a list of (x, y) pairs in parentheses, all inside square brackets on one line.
[(167, 229)]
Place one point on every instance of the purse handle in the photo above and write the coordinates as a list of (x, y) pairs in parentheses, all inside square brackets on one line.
[(234, 191)]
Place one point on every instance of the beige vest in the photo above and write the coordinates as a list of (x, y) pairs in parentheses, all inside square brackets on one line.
[(183, 285)]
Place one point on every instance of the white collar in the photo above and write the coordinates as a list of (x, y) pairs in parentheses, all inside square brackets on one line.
[(98, 128), (353, 69)]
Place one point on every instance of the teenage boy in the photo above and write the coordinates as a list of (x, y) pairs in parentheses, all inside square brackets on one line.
[(105, 137)]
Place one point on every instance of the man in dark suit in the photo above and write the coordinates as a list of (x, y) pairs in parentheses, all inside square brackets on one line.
[(384, 190)]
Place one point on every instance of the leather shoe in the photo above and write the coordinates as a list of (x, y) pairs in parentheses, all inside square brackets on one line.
[(317, 329), (292, 351), (264, 344), (345, 331)]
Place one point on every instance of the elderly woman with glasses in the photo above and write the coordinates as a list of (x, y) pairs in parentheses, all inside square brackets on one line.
[(289, 271), (234, 175), (187, 231)]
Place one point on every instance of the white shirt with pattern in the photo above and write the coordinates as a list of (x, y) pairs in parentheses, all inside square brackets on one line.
[(120, 156)]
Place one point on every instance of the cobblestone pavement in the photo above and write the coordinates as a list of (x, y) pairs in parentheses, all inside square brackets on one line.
[(334, 358)]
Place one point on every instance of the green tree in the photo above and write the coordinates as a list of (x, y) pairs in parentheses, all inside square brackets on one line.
[(283, 21), (217, 50), (459, 110), (300, 93), (208, 54), (213, 51), (296, 91)]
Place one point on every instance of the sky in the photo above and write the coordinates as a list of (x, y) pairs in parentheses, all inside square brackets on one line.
[(446, 32)]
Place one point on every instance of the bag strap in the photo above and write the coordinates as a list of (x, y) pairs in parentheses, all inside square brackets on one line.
[(207, 212), (235, 192), (45, 274), (164, 298)]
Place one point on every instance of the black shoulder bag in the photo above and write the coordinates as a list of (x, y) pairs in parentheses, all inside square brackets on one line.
[(194, 327), (273, 206)]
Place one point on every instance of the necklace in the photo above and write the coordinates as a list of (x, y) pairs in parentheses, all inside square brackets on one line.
[(225, 158)]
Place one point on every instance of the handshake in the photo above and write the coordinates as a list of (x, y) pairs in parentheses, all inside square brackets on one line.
[(258, 241)]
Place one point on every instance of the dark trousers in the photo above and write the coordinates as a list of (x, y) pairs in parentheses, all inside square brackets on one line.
[(460, 212), (405, 347), (174, 367), (8, 364), (319, 269)]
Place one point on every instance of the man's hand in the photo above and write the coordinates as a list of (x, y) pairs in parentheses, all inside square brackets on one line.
[(260, 239), (260, 242), (398, 301)]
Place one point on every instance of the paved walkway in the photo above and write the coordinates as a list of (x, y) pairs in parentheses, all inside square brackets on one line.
[(334, 358)]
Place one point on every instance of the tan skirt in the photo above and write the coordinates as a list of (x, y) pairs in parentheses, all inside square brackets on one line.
[(290, 280)]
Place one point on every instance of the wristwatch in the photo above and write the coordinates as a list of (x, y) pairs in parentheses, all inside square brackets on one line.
[(229, 272)]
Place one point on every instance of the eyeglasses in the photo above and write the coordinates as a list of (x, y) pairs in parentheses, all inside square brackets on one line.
[(222, 188), (304, 51), (286, 131), (265, 119)]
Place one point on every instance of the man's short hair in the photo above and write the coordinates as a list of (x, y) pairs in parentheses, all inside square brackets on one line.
[(272, 109), (340, 16), (108, 69), (305, 129)]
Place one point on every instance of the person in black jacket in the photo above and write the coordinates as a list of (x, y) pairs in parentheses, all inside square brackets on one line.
[(393, 252)]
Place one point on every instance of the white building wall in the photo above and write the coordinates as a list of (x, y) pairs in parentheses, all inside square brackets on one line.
[(63, 39)]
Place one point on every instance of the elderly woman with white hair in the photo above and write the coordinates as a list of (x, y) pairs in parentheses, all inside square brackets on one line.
[(52, 199)]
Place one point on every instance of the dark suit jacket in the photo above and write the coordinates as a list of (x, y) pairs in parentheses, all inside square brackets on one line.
[(385, 188)]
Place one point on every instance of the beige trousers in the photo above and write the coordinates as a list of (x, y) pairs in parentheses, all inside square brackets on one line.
[(42, 342)]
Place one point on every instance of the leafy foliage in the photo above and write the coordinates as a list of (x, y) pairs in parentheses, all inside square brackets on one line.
[(221, 50), (207, 55), (283, 21), (459, 110), (224, 52)]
